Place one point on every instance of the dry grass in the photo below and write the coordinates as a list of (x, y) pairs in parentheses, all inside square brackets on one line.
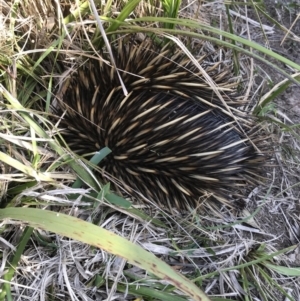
[(248, 255)]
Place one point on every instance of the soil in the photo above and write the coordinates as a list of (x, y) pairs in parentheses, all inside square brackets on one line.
[(282, 214), (284, 12)]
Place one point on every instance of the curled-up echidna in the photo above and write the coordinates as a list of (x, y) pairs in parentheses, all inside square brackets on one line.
[(172, 137)]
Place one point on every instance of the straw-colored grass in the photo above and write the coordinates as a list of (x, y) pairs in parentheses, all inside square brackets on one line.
[(65, 240)]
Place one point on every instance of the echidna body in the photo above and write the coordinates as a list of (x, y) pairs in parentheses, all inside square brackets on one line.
[(172, 138)]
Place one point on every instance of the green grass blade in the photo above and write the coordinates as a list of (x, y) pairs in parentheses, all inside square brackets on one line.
[(218, 32), (261, 259), (171, 9), (151, 292), (273, 93), (88, 233), (287, 271), (13, 264)]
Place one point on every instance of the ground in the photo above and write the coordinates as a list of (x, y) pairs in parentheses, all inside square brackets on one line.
[(195, 244), (281, 215)]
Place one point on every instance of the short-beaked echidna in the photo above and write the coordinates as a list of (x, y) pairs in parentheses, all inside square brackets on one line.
[(172, 138)]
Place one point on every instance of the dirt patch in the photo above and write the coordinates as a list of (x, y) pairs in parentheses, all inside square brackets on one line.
[(287, 44), (281, 214)]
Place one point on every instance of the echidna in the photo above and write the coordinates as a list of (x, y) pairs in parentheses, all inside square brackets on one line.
[(172, 138)]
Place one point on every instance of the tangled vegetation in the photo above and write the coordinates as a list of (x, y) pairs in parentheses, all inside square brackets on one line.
[(67, 235)]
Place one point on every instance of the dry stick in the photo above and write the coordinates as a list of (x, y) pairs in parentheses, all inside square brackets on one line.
[(107, 45)]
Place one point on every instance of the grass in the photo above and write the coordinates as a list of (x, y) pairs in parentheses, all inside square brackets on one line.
[(62, 240)]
